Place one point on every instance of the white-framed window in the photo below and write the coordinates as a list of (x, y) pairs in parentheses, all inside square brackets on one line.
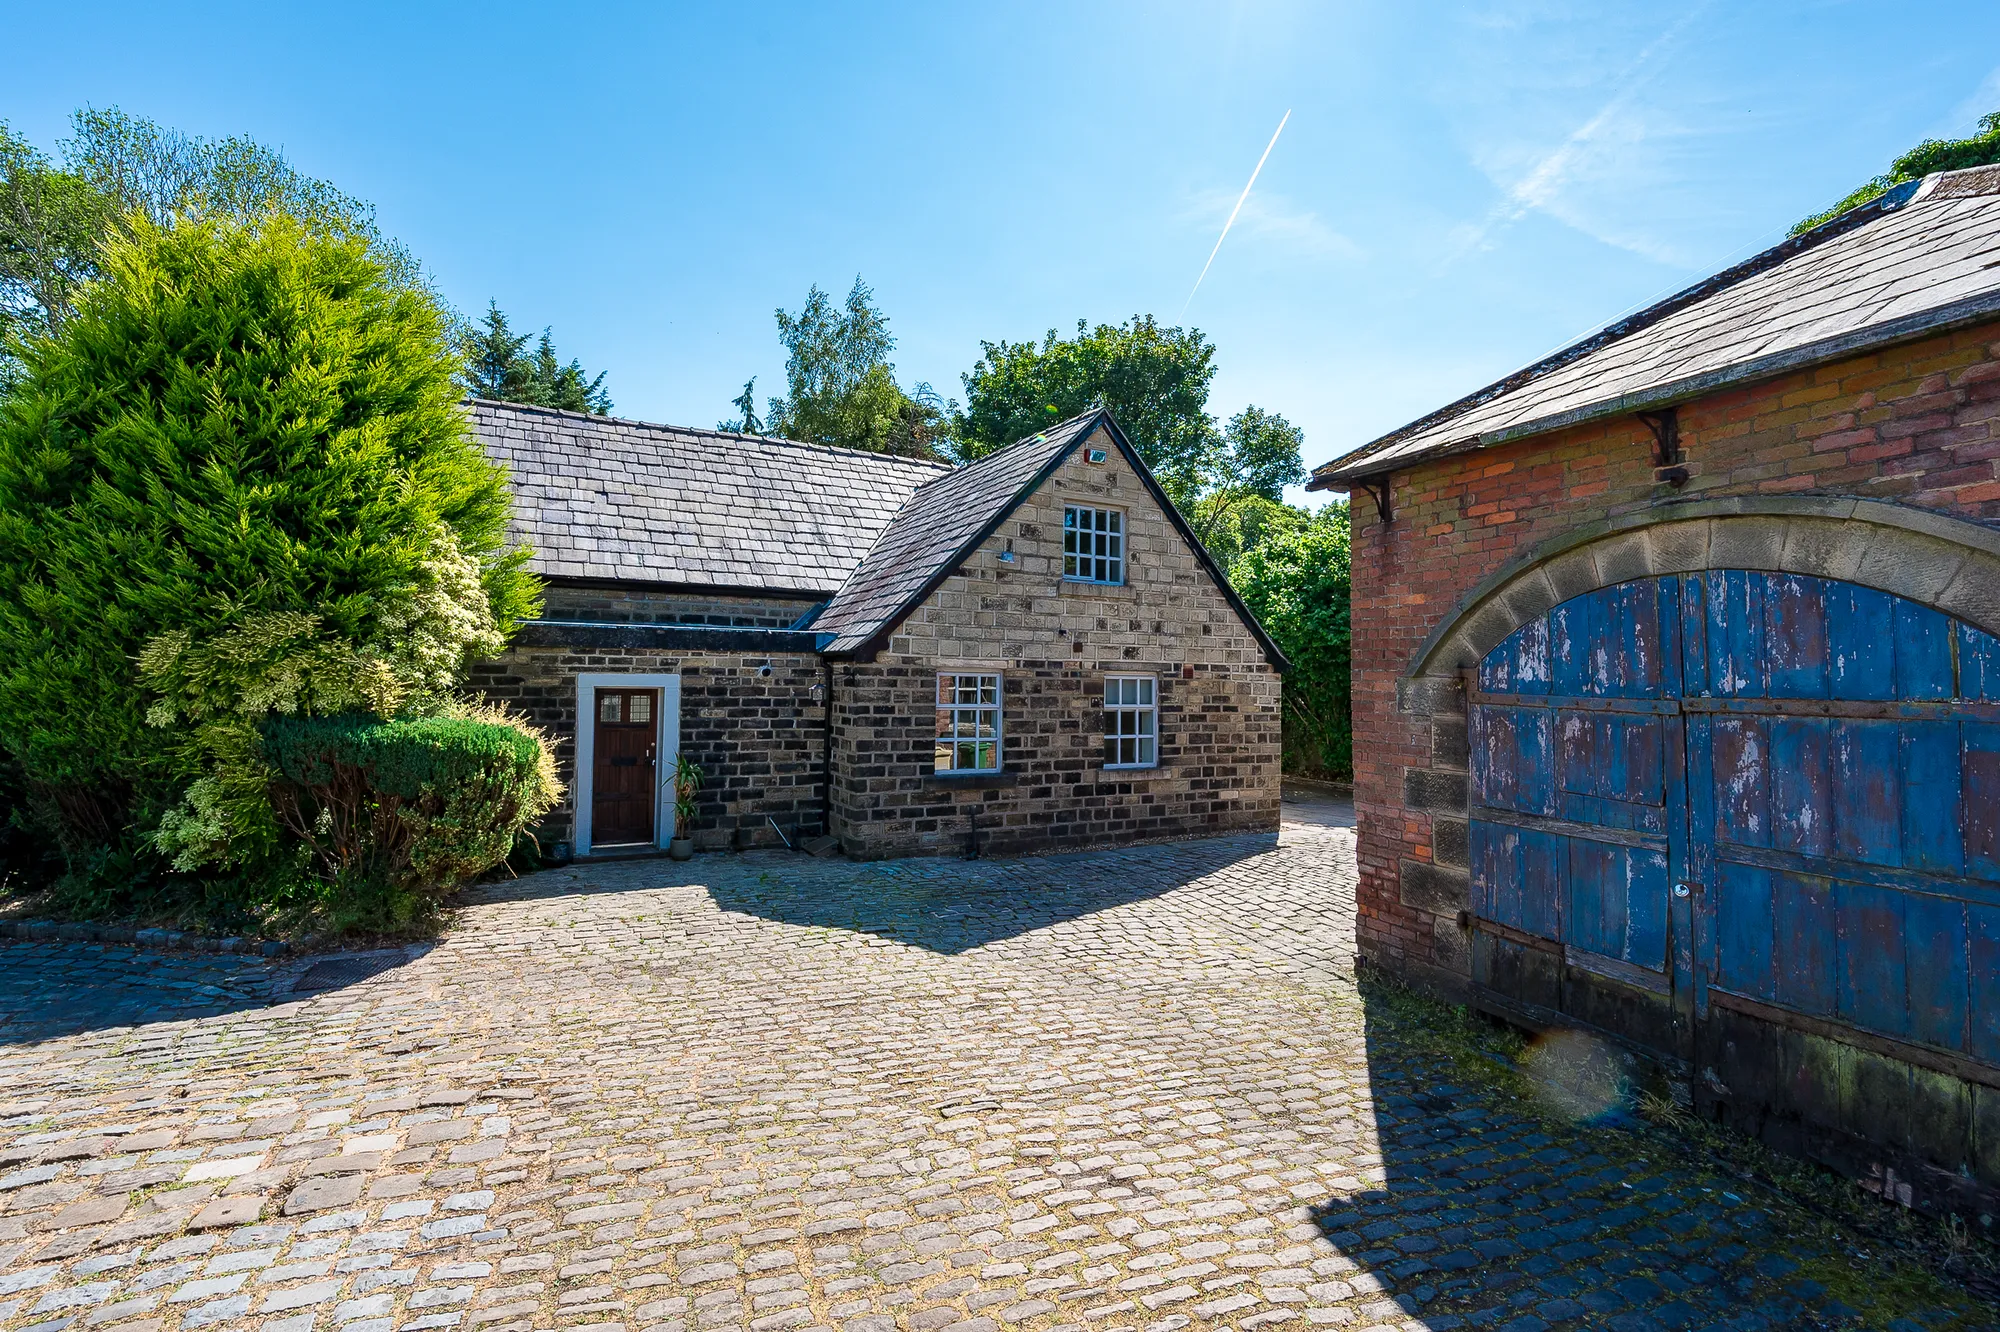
[(1131, 721), (968, 722), (1093, 544)]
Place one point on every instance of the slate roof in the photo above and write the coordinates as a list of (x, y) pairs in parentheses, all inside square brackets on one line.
[(939, 527), (1917, 261), (602, 498), (947, 520)]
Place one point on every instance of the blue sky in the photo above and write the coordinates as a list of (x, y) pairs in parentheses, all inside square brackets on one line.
[(1460, 187)]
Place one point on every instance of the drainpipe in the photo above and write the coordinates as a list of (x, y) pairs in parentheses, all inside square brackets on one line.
[(826, 759)]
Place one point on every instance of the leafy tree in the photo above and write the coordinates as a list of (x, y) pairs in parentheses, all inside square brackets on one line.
[(1154, 379), (118, 169), (235, 483), (745, 403), (1978, 149), (840, 386), (1258, 455), (1297, 582), (499, 366), (51, 222)]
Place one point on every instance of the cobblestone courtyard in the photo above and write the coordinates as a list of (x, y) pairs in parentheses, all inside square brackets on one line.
[(1132, 1090)]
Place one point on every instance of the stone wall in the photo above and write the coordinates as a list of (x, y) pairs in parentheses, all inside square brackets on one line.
[(750, 718), (1910, 429), (605, 603), (1053, 642)]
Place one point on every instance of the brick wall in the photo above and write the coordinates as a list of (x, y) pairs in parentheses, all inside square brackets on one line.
[(1913, 424), (1053, 641), (642, 605), (758, 737)]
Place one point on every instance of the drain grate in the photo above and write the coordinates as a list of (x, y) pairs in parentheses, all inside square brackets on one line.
[(336, 972)]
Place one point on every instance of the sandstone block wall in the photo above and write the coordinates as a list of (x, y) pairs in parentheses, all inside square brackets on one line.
[(759, 738), (1053, 642)]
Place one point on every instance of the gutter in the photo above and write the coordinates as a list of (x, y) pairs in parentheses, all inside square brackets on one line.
[(1979, 309), (1327, 479)]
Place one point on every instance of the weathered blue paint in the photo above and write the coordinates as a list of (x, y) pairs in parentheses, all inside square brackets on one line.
[(1818, 762)]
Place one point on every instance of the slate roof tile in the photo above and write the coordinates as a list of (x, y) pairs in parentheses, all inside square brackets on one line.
[(1923, 257), (601, 497), (935, 528)]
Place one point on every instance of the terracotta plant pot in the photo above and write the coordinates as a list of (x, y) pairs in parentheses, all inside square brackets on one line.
[(681, 848)]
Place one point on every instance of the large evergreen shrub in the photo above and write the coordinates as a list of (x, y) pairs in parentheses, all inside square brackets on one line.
[(235, 485)]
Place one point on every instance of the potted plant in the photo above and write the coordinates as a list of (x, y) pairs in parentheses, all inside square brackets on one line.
[(687, 786)]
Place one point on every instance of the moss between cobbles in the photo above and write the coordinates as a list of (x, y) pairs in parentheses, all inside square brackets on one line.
[(1882, 1263)]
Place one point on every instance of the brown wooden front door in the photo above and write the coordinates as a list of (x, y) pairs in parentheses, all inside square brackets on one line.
[(623, 768)]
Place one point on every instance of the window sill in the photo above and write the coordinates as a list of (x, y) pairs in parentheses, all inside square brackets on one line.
[(971, 781), (1133, 774), (1067, 581)]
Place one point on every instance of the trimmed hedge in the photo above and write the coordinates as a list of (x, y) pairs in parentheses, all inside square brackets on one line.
[(395, 813)]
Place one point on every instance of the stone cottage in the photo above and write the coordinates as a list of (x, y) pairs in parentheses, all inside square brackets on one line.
[(1031, 652), (1677, 691)]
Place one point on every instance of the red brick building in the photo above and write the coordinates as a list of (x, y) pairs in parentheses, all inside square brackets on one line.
[(1677, 696)]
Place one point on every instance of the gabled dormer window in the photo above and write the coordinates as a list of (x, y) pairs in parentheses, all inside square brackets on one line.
[(1093, 544)]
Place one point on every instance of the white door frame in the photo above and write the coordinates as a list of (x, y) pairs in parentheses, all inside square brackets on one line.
[(668, 747)]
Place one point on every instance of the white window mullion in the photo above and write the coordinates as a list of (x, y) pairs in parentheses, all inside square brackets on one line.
[(1131, 721)]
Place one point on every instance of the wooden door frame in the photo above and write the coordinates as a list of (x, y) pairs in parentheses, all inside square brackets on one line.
[(668, 748)]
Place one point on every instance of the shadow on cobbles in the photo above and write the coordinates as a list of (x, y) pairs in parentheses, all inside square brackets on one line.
[(51, 988), (952, 906), (1492, 1215)]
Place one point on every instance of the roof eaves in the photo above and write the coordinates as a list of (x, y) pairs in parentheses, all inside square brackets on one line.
[(1978, 309), (1354, 466)]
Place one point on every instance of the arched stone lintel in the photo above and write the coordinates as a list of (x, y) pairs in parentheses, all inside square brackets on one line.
[(1946, 562)]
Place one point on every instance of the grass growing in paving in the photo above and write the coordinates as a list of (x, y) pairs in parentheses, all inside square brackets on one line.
[(1859, 1262)]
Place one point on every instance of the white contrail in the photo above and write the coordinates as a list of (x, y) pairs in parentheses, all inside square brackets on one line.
[(1234, 211)]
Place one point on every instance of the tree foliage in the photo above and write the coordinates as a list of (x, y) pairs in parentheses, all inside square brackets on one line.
[(118, 170), (234, 483), (1258, 454), (840, 386), (1154, 379), (1296, 582), (498, 365), (1978, 149), (746, 421)]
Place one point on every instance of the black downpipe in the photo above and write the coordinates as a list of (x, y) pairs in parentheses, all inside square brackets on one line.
[(826, 760)]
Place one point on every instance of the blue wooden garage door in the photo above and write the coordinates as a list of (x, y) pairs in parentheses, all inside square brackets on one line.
[(1773, 792)]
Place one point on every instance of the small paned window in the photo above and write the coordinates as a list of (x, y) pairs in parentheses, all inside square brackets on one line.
[(636, 708), (1131, 721), (1093, 544), (968, 722)]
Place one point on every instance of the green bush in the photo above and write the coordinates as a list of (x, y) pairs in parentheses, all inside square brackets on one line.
[(1296, 581), (235, 485), (395, 813)]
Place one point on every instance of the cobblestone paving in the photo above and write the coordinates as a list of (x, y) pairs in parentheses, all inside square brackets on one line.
[(1130, 1090)]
